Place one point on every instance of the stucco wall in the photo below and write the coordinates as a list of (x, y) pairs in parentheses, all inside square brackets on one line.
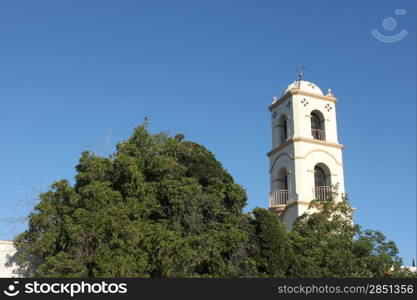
[(7, 249)]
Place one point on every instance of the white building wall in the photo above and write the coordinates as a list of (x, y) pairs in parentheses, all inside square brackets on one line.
[(290, 215), (284, 159), (7, 250), (303, 106), (281, 110), (308, 155)]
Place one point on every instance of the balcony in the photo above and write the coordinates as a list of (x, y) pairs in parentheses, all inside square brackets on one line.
[(318, 134), (279, 197), (322, 192)]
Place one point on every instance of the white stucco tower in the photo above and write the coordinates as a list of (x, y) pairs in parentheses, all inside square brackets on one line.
[(306, 157)]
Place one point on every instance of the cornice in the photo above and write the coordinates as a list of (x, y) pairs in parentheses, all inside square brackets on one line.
[(303, 139), (276, 149), (318, 142), (2, 242), (300, 92)]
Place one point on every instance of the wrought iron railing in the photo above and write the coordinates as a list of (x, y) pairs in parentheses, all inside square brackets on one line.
[(318, 134), (322, 192), (279, 197)]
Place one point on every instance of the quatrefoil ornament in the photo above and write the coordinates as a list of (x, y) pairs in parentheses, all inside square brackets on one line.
[(289, 103), (304, 102), (311, 85), (274, 115), (328, 107)]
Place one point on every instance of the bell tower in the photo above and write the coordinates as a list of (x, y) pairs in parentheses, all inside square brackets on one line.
[(306, 157)]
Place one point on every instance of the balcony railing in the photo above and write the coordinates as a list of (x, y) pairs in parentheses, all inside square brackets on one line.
[(318, 134), (279, 197), (322, 192)]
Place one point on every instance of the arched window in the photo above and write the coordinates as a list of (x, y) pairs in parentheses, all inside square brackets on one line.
[(285, 131), (319, 177), (322, 182), (282, 129), (317, 126), (282, 179), (281, 194), (315, 121)]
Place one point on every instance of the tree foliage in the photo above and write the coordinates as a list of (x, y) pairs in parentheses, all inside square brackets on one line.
[(273, 252), (162, 206), (158, 207), (328, 244)]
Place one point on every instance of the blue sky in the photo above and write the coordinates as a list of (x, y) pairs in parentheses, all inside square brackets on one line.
[(74, 74)]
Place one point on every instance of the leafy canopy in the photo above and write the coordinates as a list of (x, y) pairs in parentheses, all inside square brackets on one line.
[(158, 207), (328, 244)]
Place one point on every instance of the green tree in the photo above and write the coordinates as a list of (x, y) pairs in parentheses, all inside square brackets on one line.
[(328, 244), (273, 252), (158, 207)]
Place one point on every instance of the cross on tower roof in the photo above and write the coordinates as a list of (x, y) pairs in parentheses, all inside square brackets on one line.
[(300, 73)]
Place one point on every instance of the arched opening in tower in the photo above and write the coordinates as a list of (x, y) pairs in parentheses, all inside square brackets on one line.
[(318, 130), (322, 182)]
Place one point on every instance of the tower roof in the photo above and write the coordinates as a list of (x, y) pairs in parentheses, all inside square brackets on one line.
[(304, 86)]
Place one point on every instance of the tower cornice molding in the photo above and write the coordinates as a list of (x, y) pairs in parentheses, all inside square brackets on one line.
[(278, 148), (318, 142), (300, 92), (2, 242), (303, 139)]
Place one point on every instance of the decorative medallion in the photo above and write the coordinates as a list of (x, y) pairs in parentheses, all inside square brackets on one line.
[(312, 85), (304, 102), (328, 107)]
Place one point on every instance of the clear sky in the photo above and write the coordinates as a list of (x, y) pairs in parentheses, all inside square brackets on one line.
[(78, 75)]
